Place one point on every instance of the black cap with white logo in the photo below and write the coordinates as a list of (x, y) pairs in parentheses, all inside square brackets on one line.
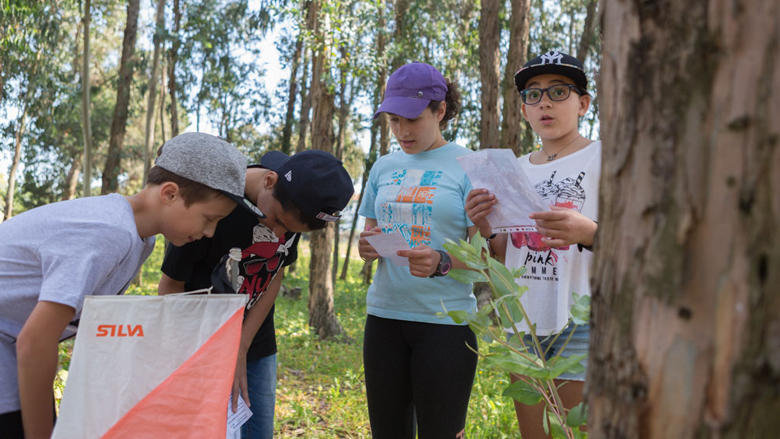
[(553, 62), (315, 181)]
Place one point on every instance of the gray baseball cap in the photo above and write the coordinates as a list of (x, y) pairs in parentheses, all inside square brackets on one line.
[(210, 161)]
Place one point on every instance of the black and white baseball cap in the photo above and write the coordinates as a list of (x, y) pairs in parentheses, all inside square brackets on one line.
[(553, 62), (210, 161)]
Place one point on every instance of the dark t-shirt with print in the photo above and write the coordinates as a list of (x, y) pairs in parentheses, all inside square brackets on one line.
[(261, 259)]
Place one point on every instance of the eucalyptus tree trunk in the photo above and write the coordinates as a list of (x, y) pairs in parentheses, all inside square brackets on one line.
[(11, 189), (162, 104), (173, 54), (72, 179), (322, 317), (375, 128), (512, 124), (488, 72), (289, 119), (685, 339), (303, 119), (400, 9), (118, 124), (587, 37), (86, 124), (312, 15), (150, 107)]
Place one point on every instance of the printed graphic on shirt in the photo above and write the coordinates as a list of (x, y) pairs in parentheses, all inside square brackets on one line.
[(412, 193), (260, 262), (541, 261)]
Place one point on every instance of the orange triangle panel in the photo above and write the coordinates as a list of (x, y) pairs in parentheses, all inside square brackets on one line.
[(192, 401)]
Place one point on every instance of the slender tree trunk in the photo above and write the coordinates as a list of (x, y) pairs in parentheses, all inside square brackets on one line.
[(150, 107), (118, 124), (72, 179), (173, 54), (162, 104), (322, 317), (488, 71), (303, 120), (289, 119), (9, 196), (86, 124), (512, 125), (686, 310), (586, 39), (400, 9), (371, 157)]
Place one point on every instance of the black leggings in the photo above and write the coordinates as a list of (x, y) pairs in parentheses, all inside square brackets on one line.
[(421, 370)]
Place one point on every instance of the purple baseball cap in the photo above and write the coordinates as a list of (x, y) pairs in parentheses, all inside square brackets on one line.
[(411, 88)]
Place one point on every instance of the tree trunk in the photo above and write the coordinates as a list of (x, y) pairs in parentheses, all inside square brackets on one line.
[(289, 119), (162, 103), (371, 157), (9, 195), (149, 132), (72, 180), (686, 315), (86, 125), (512, 125), (173, 54), (322, 317), (488, 73), (586, 39), (303, 120), (118, 124)]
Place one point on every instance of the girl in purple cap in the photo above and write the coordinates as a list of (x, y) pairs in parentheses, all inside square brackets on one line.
[(417, 365)]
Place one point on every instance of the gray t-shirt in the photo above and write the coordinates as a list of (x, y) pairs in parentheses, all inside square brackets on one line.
[(60, 253)]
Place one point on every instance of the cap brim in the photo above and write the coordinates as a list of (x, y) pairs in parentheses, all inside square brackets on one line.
[(273, 160), (575, 74), (245, 204), (409, 108)]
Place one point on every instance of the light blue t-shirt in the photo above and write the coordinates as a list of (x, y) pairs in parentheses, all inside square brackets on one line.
[(423, 196), (60, 253)]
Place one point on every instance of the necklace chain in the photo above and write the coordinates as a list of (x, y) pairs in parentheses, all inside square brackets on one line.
[(551, 157)]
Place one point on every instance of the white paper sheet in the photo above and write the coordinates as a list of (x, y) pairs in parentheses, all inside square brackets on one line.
[(386, 244), (237, 419), (498, 171)]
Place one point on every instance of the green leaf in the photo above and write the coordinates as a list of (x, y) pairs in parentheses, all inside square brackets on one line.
[(580, 309), (466, 254), (478, 243), (560, 365), (523, 393), (577, 416), (467, 276), (458, 316)]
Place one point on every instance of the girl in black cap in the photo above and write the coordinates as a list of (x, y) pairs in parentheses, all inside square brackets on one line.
[(557, 257)]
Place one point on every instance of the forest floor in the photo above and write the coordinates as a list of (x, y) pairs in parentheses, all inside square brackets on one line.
[(320, 390)]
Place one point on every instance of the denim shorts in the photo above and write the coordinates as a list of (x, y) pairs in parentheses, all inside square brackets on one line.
[(578, 344)]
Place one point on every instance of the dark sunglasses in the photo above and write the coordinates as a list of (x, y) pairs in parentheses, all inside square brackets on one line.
[(557, 92)]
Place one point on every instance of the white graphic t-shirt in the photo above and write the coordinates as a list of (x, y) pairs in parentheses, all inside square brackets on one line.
[(553, 274)]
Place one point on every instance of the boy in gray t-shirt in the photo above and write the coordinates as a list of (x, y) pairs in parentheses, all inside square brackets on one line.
[(52, 256)]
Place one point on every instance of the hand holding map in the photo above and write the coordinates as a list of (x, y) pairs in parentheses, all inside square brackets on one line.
[(387, 244), (498, 171)]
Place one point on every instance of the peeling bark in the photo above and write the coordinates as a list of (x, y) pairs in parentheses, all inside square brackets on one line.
[(686, 315)]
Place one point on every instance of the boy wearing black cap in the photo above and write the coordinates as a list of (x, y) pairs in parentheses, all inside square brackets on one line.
[(247, 255), (565, 172), (54, 255)]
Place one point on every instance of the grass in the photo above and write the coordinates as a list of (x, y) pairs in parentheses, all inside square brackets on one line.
[(320, 389)]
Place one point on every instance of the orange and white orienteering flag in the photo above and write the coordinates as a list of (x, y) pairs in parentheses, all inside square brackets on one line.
[(152, 367)]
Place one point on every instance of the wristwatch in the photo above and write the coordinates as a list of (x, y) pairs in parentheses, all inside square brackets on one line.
[(444, 265)]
